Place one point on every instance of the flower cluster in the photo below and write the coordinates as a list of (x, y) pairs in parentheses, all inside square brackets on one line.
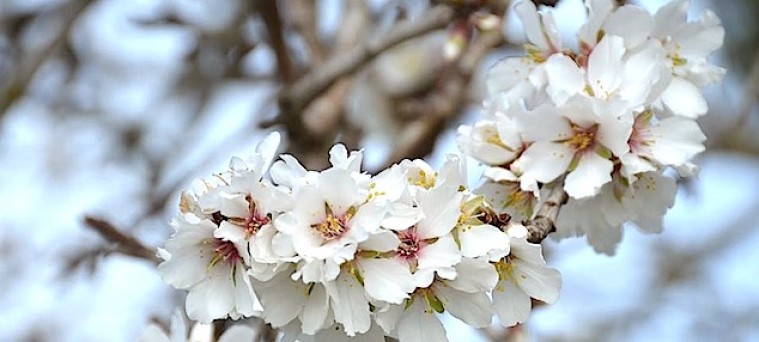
[(605, 121), (341, 252)]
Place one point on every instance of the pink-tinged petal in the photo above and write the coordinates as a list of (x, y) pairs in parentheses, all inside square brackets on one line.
[(387, 280), (544, 123), (511, 304), (419, 324), (565, 78), (474, 309), (684, 98), (605, 66), (474, 275), (315, 311), (544, 161), (675, 140), (538, 281), (592, 172)]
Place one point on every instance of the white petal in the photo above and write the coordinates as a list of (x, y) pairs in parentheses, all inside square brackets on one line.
[(675, 141), (401, 216), (474, 309), (683, 98), (544, 123), (591, 174), (282, 299), (482, 240), (315, 310), (565, 78), (544, 161), (212, 298), (350, 305), (511, 304), (533, 27), (380, 242), (474, 276), (538, 281), (387, 280), (441, 208), (419, 325), (632, 23), (605, 66), (442, 253)]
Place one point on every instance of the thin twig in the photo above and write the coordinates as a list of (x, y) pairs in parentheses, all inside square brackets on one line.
[(125, 244)]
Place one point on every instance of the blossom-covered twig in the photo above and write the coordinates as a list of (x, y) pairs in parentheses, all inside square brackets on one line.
[(125, 244)]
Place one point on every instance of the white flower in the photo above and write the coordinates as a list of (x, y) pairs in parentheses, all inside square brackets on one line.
[(503, 192), (330, 217), (654, 143), (687, 45), (212, 269), (492, 142), (579, 137), (644, 202), (523, 275)]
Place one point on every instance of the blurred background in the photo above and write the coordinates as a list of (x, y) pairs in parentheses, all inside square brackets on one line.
[(109, 108)]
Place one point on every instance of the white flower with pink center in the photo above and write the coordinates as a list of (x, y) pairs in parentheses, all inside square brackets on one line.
[(329, 219), (212, 269), (580, 138)]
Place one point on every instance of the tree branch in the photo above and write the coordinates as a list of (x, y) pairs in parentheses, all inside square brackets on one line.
[(273, 21), (294, 98), (544, 221), (125, 244)]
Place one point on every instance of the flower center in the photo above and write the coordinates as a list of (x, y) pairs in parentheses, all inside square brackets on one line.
[(334, 226), (410, 244), (225, 251), (583, 139)]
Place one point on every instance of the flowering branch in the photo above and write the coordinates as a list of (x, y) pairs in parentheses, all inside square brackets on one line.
[(125, 244)]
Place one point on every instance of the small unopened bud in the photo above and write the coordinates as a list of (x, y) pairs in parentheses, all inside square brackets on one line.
[(486, 21), (458, 39)]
